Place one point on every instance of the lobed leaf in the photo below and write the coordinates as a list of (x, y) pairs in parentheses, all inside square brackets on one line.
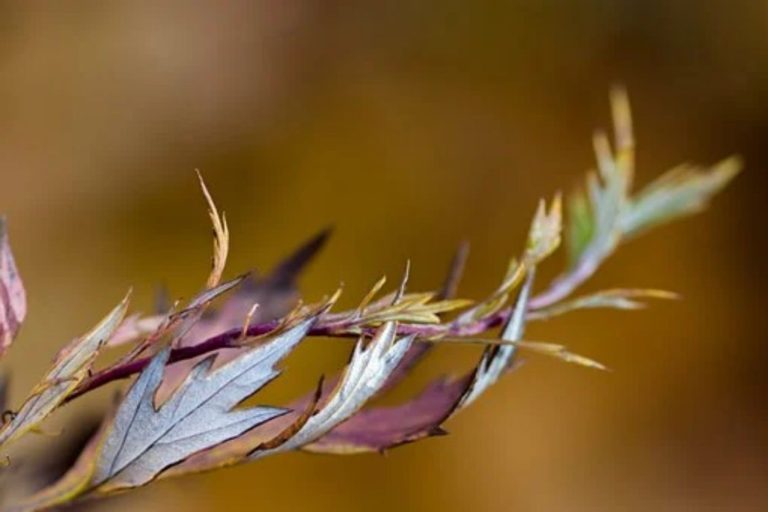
[(145, 439)]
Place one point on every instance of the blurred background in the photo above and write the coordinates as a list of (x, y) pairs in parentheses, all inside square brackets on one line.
[(409, 126)]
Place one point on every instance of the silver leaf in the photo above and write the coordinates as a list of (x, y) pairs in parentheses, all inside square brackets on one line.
[(368, 370), (497, 360), (146, 439)]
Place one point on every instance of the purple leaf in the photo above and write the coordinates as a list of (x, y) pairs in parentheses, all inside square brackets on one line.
[(13, 298)]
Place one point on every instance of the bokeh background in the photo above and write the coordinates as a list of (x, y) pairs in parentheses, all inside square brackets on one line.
[(409, 126)]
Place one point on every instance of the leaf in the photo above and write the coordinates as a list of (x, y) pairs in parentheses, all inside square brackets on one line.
[(199, 426), (135, 326), (682, 191), (13, 299), (498, 299), (275, 294), (381, 428), (145, 439), (561, 352), (497, 360), (377, 429), (72, 484), (284, 274), (545, 231), (366, 373), (580, 226), (608, 214), (71, 366), (220, 236), (617, 299)]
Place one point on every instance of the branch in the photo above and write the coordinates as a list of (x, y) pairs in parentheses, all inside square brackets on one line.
[(233, 338)]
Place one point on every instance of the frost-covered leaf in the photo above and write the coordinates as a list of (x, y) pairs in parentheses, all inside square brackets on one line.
[(147, 438), (13, 299), (71, 366)]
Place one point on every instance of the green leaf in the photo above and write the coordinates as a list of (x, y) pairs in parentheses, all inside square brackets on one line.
[(682, 191)]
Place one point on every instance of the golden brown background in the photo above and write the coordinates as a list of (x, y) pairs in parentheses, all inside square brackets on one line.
[(409, 126)]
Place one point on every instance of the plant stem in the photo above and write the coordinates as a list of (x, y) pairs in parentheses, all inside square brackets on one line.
[(233, 339)]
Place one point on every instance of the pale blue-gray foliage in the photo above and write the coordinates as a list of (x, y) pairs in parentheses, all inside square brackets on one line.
[(368, 370), (497, 360), (145, 440)]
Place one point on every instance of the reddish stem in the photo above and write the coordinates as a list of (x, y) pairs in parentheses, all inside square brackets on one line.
[(232, 337)]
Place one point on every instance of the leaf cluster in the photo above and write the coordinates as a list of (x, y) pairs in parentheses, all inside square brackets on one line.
[(197, 363)]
